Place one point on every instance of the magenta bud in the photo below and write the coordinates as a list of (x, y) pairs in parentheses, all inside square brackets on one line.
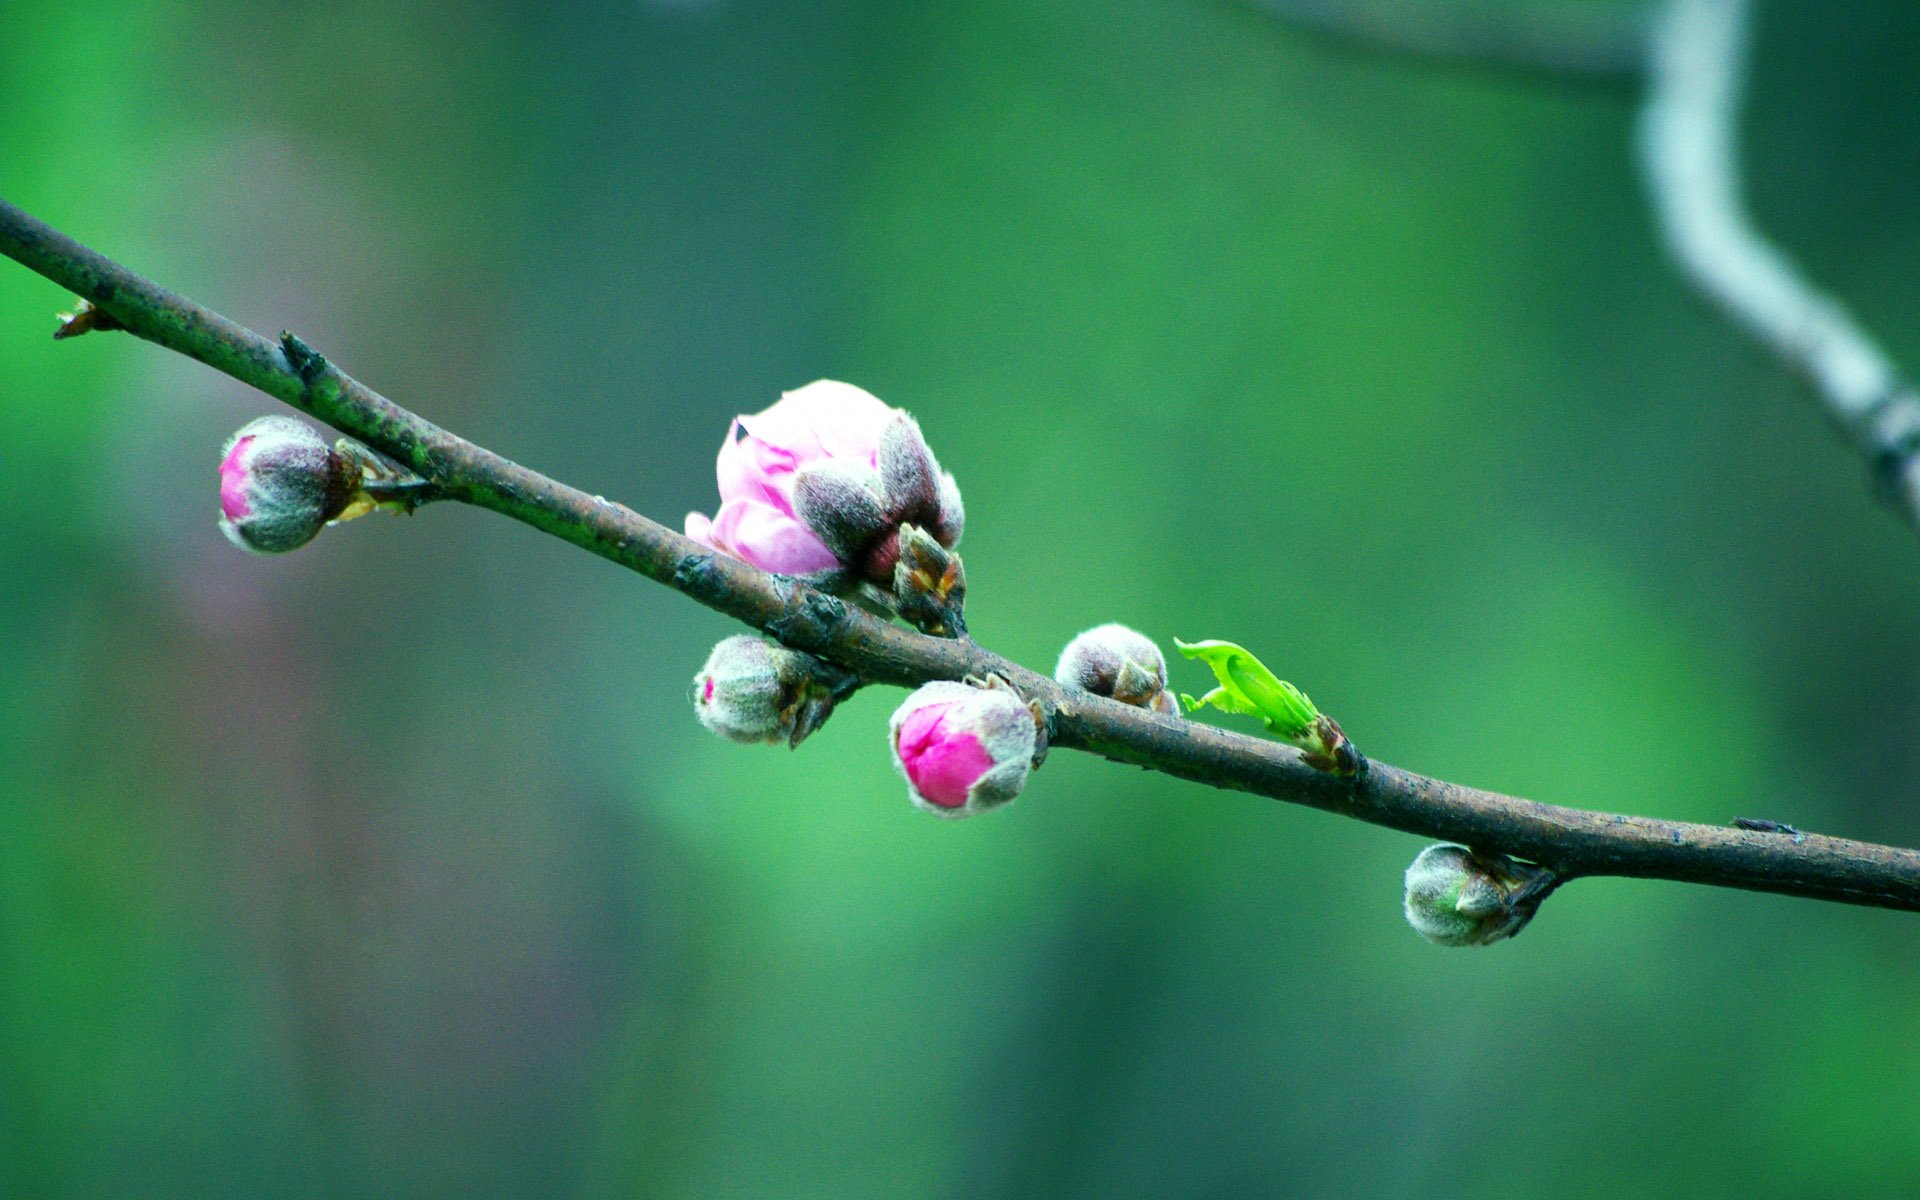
[(1113, 660), (280, 483), (753, 690), (963, 748)]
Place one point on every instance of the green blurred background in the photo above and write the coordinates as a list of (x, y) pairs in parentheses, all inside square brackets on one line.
[(399, 866)]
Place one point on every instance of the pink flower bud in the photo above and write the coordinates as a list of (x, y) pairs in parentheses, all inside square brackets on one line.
[(280, 483), (752, 690), (818, 481), (1113, 660), (963, 749)]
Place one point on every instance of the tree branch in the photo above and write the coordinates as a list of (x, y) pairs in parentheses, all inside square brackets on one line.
[(1688, 151), (1571, 842)]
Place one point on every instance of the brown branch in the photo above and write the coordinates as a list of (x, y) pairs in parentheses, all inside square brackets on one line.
[(1572, 842)]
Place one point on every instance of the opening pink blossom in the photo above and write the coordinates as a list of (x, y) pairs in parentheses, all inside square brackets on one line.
[(757, 463)]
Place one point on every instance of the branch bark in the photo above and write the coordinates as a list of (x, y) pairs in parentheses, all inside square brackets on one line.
[(1571, 842)]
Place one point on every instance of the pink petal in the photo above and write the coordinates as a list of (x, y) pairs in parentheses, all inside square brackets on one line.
[(942, 763), (823, 419), (784, 433), (741, 474), (700, 529), (774, 467), (769, 539), (233, 481)]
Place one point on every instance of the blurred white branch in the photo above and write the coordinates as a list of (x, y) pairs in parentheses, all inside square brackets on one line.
[(1596, 39), (1687, 144), (1695, 55)]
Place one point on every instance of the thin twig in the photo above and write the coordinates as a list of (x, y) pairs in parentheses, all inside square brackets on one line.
[(1688, 148), (1570, 842)]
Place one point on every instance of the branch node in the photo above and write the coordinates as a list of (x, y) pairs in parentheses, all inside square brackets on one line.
[(810, 620), (697, 575), (306, 362), (85, 318), (1761, 825)]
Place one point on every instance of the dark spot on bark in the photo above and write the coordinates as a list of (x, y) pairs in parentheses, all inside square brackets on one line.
[(809, 622)]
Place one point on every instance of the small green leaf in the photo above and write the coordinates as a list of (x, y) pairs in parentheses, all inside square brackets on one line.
[(1221, 700), (1248, 687)]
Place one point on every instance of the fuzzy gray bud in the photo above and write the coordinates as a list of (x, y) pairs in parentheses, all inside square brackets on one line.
[(753, 690), (1113, 660), (1456, 897), (952, 521), (280, 483), (840, 502), (909, 476)]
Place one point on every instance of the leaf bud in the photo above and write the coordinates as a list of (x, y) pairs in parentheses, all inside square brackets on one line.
[(929, 584), (1249, 688)]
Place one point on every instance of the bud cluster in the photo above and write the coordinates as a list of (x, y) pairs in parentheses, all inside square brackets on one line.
[(831, 484)]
